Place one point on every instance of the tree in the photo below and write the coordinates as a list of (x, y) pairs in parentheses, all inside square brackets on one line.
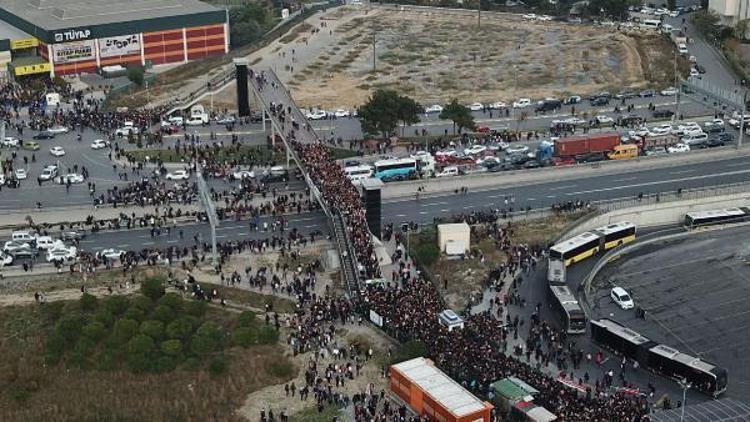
[(153, 329), (408, 112), (140, 344), (171, 347), (95, 330), (244, 33), (742, 28), (123, 330), (136, 74), (88, 302), (181, 328), (459, 114), (380, 114), (244, 336), (707, 22)]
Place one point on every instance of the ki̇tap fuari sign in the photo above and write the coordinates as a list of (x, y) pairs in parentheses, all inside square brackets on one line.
[(72, 35)]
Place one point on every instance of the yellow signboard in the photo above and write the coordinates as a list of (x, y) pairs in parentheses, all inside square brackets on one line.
[(32, 69), (23, 43)]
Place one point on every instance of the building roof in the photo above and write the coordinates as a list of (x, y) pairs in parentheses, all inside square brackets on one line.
[(62, 14), (10, 32), (442, 388)]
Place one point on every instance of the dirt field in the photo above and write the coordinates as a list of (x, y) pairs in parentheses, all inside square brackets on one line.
[(437, 56)]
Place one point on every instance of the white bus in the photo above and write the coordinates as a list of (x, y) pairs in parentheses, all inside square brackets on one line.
[(396, 169), (359, 172)]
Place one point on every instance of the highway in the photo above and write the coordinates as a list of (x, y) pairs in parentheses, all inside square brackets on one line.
[(424, 210)]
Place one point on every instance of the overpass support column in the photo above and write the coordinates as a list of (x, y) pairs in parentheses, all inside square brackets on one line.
[(243, 100)]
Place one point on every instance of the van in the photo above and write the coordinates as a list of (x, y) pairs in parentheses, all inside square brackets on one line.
[(696, 139), (448, 171), (651, 24), (195, 121), (23, 236), (176, 120), (621, 152), (46, 242)]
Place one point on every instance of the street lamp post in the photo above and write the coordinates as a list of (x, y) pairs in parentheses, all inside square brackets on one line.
[(685, 386)]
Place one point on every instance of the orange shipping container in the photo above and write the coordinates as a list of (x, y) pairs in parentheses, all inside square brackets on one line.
[(432, 393)]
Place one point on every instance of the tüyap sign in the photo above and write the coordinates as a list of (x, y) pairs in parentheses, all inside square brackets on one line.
[(119, 46), (72, 35)]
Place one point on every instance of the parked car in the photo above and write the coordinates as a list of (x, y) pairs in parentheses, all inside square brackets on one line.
[(599, 101), (573, 99), (317, 115), (625, 94), (13, 245), (342, 113), (62, 254), (663, 113), (5, 259), (602, 119), (669, 92), (498, 105), (178, 175), (20, 173), (71, 235), (10, 141), (676, 148), (719, 139), (124, 131), (48, 173), (646, 93), (517, 149), (435, 108), (226, 120), (522, 103), (72, 178), (111, 254), (243, 174), (476, 107), (475, 149), (621, 298)]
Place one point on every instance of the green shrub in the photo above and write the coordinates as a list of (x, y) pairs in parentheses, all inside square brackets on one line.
[(173, 300), (165, 364), (217, 366), (196, 308), (116, 305), (140, 344), (123, 331), (246, 318), (409, 350), (88, 302), (244, 336), (153, 329), (281, 369), (181, 328), (171, 347), (426, 253), (164, 313), (95, 330), (152, 288), (268, 335)]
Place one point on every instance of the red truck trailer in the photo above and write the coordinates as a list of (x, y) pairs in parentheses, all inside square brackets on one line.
[(586, 144)]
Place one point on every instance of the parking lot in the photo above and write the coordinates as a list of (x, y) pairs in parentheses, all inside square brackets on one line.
[(695, 294)]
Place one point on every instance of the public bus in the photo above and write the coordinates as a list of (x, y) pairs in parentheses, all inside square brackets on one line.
[(358, 172), (707, 218), (396, 169), (572, 318), (568, 252), (702, 375)]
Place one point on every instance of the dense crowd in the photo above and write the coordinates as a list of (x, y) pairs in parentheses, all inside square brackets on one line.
[(477, 355)]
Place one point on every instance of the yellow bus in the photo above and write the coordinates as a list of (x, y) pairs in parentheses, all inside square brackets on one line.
[(576, 249)]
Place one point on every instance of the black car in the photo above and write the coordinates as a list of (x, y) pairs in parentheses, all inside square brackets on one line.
[(719, 139), (68, 235), (44, 135), (647, 93), (599, 101), (548, 105), (663, 113), (699, 68), (23, 253), (532, 164)]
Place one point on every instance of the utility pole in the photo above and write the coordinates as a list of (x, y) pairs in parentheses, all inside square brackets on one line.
[(741, 136), (676, 94), (685, 386), (479, 14), (374, 40)]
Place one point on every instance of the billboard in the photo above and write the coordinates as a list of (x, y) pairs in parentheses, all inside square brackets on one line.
[(73, 52), (32, 69), (20, 44), (119, 46)]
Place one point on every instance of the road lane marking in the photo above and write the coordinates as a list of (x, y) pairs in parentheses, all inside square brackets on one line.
[(563, 187), (661, 182), (432, 204), (683, 171), (148, 243), (737, 164), (551, 196), (625, 179), (531, 199)]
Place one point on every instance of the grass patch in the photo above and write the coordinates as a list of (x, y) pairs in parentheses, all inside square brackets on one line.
[(294, 33), (312, 414), (106, 387), (253, 299)]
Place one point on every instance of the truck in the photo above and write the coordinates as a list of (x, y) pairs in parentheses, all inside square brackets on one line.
[(586, 148), (646, 143)]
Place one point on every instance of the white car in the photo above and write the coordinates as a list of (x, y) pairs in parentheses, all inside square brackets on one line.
[(20, 174), (664, 129), (99, 144), (243, 174), (621, 298), (544, 18), (435, 108), (72, 178), (715, 123), (196, 121), (694, 73), (226, 120), (48, 173), (601, 119), (5, 259), (678, 148), (317, 115), (57, 151), (124, 131), (522, 103), (529, 16), (498, 105), (682, 48), (58, 129), (178, 175), (499, 145), (62, 254), (692, 130), (475, 149), (176, 120), (10, 141), (421, 155), (342, 113), (668, 92), (448, 172), (575, 121), (111, 253), (446, 153), (517, 149), (46, 242), (476, 107), (13, 245)]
